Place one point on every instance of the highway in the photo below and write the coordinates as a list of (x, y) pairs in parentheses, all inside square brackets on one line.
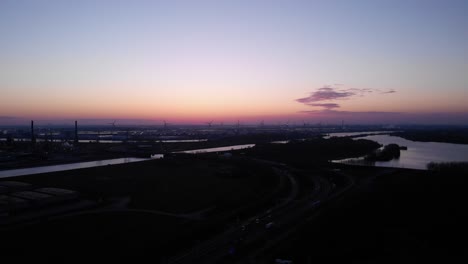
[(241, 243)]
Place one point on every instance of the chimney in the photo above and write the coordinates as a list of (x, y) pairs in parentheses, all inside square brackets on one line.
[(33, 138), (76, 132)]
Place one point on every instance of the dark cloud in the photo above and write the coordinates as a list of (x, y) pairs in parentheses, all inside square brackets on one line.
[(326, 106), (328, 93), (388, 91), (323, 100), (334, 112), (325, 94)]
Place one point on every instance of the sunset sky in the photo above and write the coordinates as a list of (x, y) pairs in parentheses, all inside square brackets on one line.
[(194, 61)]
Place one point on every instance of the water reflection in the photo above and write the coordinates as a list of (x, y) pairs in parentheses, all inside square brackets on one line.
[(64, 167), (353, 134), (182, 140), (207, 150), (108, 140), (280, 142), (418, 155), (89, 164)]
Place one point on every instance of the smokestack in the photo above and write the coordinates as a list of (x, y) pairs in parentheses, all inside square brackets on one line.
[(33, 138), (76, 131)]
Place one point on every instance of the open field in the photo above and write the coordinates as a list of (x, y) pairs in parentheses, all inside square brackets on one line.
[(160, 217), (172, 185), (112, 235)]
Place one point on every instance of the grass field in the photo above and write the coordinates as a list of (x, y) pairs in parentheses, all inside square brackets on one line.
[(173, 185), (177, 185)]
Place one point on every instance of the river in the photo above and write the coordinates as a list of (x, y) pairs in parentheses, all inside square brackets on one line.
[(64, 167), (219, 149), (97, 163), (112, 141), (418, 155)]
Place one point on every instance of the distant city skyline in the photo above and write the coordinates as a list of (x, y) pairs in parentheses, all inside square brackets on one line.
[(191, 62)]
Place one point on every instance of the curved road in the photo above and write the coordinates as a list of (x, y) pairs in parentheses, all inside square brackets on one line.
[(280, 219)]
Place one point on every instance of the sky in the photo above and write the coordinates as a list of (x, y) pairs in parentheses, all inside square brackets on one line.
[(373, 61)]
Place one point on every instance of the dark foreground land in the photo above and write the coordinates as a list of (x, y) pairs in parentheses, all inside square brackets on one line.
[(148, 209), (457, 135), (391, 216), (213, 209)]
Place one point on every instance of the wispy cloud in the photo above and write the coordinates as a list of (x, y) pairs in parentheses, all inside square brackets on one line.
[(335, 112), (326, 106), (329, 94), (325, 94), (388, 91)]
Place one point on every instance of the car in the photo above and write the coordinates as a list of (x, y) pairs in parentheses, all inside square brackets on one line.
[(283, 261), (316, 203)]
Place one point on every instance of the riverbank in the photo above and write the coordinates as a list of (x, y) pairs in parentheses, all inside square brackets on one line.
[(455, 136), (416, 155), (86, 152)]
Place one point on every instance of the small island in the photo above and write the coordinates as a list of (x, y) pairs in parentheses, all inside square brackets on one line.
[(387, 153)]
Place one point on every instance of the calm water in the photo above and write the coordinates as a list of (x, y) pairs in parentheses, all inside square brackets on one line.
[(64, 167), (419, 154), (352, 134), (89, 164), (227, 148), (280, 142), (182, 140)]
